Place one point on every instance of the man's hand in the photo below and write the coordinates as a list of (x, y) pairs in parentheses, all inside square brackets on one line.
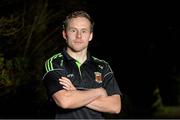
[(71, 98), (67, 84), (96, 99)]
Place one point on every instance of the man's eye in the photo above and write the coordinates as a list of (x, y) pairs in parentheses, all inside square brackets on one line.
[(72, 30), (84, 31)]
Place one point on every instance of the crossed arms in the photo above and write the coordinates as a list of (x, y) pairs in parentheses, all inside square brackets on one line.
[(96, 99)]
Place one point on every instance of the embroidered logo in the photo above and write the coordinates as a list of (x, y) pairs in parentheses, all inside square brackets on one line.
[(70, 75), (100, 66), (98, 77)]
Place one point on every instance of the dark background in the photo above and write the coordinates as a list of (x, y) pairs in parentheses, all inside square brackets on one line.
[(140, 40)]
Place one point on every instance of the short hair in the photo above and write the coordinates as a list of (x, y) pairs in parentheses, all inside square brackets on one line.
[(76, 14)]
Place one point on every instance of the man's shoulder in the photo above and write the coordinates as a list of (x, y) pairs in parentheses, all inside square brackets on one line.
[(56, 56), (54, 62), (100, 61)]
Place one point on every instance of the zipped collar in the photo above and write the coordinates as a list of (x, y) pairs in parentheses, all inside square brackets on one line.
[(69, 58)]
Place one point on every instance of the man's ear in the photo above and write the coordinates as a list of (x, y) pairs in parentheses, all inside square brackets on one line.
[(64, 34), (91, 36)]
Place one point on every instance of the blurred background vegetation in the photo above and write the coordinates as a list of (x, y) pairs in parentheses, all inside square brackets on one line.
[(30, 33)]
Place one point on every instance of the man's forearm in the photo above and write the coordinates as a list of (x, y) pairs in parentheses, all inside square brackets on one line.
[(75, 98), (110, 104)]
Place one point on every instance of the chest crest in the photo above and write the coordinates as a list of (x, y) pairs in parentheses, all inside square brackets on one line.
[(98, 77)]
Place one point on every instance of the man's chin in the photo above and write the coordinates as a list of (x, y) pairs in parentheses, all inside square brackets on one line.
[(78, 50)]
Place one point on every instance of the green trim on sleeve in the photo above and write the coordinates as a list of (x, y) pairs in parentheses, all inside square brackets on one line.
[(49, 63)]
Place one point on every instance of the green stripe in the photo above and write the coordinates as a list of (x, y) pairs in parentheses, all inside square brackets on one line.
[(49, 64), (61, 64), (46, 66), (78, 64)]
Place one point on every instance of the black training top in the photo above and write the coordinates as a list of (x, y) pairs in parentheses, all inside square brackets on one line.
[(93, 73)]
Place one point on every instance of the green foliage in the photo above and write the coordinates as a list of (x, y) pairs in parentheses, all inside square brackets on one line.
[(25, 41), (5, 76), (158, 102)]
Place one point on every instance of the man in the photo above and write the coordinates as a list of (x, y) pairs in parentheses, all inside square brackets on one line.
[(80, 85)]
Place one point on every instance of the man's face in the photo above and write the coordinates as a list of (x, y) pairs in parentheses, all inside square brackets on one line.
[(78, 34)]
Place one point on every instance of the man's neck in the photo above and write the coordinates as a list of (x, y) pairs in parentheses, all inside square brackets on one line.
[(79, 56)]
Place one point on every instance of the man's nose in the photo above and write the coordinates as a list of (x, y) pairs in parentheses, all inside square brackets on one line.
[(78, 34)]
